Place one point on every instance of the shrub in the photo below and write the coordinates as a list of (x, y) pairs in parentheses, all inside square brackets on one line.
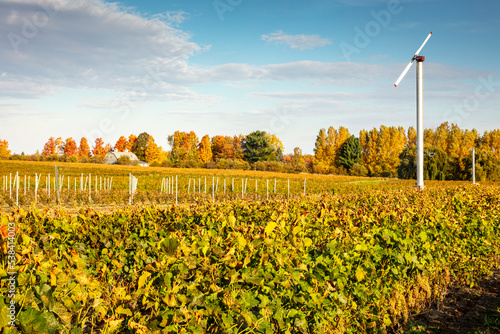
[(72, 158), (359, 170)]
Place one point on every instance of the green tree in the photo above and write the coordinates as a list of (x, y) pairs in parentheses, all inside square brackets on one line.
[(141, 145), (487, 166), (297, 160), (435, 163), (256, 147), (350, 153)]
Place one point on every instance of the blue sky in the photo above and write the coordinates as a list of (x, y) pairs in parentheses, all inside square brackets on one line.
[(96, 68)]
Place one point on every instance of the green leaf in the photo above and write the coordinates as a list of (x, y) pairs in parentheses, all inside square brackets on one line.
[(423, 236), (36, 322)]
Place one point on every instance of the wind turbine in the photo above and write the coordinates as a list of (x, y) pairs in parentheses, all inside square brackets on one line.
[(420, 110)]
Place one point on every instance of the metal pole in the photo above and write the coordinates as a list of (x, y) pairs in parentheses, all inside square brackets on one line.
[(420, 123)]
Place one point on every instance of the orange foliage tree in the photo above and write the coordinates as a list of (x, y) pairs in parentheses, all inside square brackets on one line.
[(4, 149), (70, 147), (121, 144), (50, 147), (132, 139), (84, 149), (98, 149)]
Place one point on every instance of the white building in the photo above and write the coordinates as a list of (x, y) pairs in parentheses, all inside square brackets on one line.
[(112, 158)]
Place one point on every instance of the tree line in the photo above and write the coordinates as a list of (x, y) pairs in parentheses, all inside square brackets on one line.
[(385, 152)]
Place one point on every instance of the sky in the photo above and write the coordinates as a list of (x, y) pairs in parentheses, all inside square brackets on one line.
[(95, 68)]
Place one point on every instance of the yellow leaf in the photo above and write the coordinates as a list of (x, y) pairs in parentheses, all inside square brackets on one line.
[(142, 279), (307, 242), (53, 279), (270, 227), (297, 229), (242, 242), (360, 274)]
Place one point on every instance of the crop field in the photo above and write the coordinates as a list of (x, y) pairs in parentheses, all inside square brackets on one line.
[(109, 185), (352, 255)]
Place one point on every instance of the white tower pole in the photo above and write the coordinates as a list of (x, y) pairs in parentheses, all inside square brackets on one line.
[(420, 122), (420, 110)]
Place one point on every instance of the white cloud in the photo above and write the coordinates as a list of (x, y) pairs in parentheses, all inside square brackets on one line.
[(300, 42), (82, 44), (174, 18)]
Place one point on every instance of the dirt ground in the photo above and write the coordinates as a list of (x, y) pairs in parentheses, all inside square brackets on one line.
[(464, 310)]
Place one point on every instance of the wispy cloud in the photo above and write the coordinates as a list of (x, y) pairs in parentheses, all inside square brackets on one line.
[(174, 18), (300, 42)]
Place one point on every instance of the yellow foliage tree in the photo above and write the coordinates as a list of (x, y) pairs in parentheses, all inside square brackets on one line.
[(205, 149), (4, 149), (152, 151)]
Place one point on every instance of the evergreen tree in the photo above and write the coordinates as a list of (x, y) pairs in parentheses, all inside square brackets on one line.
[(256, 147), (350, 152)]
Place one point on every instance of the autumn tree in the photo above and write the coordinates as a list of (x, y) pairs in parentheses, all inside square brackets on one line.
[(277, 146), (121, 144), (411, 137), (50, 147), (152, 153), (369, 142), (327, 148), (4, 149), (70, 147), (320, 160), (184, 147), (297, 160), (98, 148), (205, 149), (238, 149), (84, 148), (131, 142), (490, 141)]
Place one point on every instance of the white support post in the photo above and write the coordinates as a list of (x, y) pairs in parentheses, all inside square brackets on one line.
[(17, 188), (267, 189)]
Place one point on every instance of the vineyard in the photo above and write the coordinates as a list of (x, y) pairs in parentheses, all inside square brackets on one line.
[(349, 256), (102, 185)]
